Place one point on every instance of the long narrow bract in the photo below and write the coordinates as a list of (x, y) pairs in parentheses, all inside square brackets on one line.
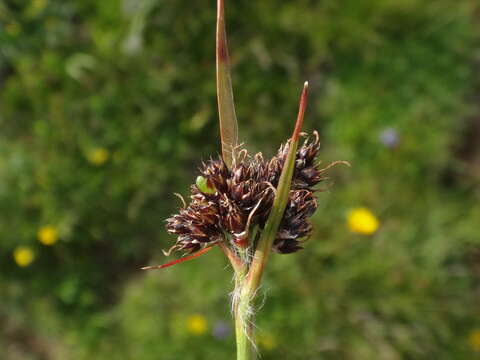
[(281, 198), (171, 263), (226, 106)]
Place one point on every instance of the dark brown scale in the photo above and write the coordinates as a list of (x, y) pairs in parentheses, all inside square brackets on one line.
[(295, 225), (247, 190)]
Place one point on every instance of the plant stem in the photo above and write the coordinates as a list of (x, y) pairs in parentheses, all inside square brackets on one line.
[(241, 305), (244, 329)]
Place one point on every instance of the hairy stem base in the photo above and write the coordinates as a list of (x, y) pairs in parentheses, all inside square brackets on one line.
[(244, 327)]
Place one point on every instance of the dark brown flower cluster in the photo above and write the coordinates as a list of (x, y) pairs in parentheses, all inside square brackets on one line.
[(228, 203)]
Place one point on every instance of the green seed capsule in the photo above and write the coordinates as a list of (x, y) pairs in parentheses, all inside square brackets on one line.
[(203, 186)]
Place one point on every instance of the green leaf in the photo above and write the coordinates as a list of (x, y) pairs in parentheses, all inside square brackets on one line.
[(226, 106)]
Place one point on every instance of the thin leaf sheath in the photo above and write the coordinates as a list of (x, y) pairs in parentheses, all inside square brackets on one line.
[(236, 262), (280, 202), (226, 106)]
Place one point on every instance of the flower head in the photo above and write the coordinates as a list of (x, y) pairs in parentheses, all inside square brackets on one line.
[(98, 156), (267, 341), (389, 137), (197, 324), (362, 220), (221, 330), (226, 204), (47, 235), (23, 255), (474, 340)]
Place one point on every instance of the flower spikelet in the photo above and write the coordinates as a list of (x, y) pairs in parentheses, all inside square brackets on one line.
[(195, 225), (295, 225)]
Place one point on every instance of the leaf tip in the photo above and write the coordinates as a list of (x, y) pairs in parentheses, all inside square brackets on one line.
[(301, 112)]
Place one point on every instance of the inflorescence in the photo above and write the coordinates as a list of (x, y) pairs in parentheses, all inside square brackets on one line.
[(229, 205)]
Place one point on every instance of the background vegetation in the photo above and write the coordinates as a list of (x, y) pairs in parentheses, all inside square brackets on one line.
[(107, 108)]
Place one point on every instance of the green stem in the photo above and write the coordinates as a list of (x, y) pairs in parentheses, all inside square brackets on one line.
[(244, 329), (241, 303)]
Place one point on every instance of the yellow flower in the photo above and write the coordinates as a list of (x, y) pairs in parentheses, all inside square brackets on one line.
[(474, 340), (197, 324), (13, 29), (98, 156), (363, 221), (23, 255), (47, 235), (267, 341), (36, 7)]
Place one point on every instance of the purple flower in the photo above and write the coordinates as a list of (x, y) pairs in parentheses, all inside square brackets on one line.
[(389, 137), (221, 330)]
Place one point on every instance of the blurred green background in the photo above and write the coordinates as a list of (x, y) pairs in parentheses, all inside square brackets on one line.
[(108, 107)]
